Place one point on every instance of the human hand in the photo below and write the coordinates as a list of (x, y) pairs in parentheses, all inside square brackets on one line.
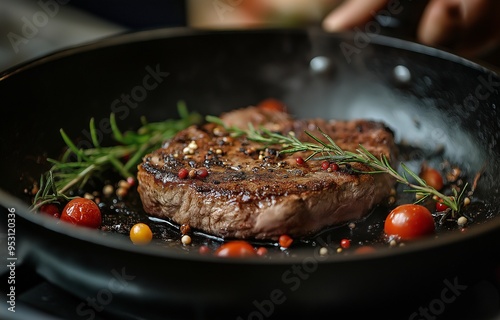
[(469, 27)]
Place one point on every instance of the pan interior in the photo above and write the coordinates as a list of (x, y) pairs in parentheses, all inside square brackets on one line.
[(432, 100)]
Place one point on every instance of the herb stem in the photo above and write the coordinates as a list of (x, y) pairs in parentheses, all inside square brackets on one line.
[(329, 150), (87, 171)]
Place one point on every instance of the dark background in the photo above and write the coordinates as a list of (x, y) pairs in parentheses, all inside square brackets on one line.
[(82, 21), (137, 14)]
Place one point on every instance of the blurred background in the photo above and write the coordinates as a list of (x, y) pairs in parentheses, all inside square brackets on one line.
[(33, 28)]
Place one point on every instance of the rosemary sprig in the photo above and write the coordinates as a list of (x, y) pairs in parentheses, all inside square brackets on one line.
[(77, 166), (329, 150), (47, 192)]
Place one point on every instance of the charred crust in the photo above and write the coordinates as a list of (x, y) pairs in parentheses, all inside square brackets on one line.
[(242, 179)]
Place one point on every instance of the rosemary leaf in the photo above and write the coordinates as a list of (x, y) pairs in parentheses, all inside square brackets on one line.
[(93, 133), (69, 173), (413, 174), (72, 146), (317, 139), (117, 134)]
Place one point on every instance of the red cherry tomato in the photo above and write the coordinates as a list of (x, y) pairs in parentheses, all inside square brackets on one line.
[(50, 209), (272, 104), (365, 249), (409, 221), (432, 177), (82, 212), (235, 248)]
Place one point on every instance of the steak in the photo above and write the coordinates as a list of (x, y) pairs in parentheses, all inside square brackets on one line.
[(231, 187)]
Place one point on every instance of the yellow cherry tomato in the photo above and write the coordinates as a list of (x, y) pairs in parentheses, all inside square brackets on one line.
[(140, 233)]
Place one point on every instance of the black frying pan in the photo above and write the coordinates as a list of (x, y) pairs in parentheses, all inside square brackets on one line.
[(434, 99)]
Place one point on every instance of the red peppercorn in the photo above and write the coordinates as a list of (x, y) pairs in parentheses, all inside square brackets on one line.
[(261, 251), (204, 249), (183, 173), (334, 167), (325, 165), (345, 243), (285, 241), (440, 206), (131, 181), (202, 173), (300, 161)]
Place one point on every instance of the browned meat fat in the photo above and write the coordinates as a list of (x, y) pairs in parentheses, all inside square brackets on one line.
[(250, 191)]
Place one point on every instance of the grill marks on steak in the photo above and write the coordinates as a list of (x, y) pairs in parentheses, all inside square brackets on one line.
[(251, 192)]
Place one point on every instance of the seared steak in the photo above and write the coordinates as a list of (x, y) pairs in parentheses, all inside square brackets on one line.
[(235, 188)]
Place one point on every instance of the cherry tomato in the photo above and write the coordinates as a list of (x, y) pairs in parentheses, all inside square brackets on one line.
[(235, 248), (365, 249), (432, 177), (82, 212), (409, 221), (272, 105), (285, 241), (140, 233), (51, 209)]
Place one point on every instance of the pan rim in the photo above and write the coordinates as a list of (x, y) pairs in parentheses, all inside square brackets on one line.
[(128, 37)]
